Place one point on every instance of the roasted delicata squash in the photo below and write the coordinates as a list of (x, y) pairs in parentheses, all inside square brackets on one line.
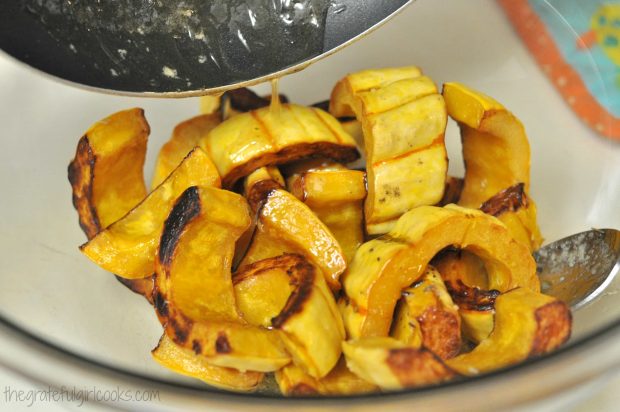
[(496, 152), (263, 137), (195, 254), (285, 224), (186, 362), (513, 207), (392, 364), (293, 381), (127, 247), (427, 317), (336, 197), (311, 325), (467, 282), (106, 174), (403, 122), (107, 177), (339, 273), (527, 324), (185, 137), (382, 268), (452, 192)]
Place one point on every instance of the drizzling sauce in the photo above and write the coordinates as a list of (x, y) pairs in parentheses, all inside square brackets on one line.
[(275, 106)]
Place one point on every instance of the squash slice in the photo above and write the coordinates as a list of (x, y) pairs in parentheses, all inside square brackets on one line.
[(427, 317), (452, 192), (285, 224), (107, 177), (392, 364), (293, 381), (496, 151), (311, 325), (106, 174), (263, 137), (467, 282), (403, 122), (185, 136), (382, 268), (336, 197), (518, 212), (186, 362), (193, 295), (127, 247), (527, 324)]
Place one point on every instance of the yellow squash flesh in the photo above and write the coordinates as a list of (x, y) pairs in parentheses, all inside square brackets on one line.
[(186, 362), (527, 324), (382, 268), (193, 294), (107, 177), (298, 303), (403, 122), (263, 137), (285, 224), (106, 174), (127, 247), (293, 381), (336, 197), (391, 364), (518, 212), (496, 151), (427, 317), (185, 137), (467, 280)]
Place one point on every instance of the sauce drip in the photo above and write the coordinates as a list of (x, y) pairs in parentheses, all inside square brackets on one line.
[(275, 106)]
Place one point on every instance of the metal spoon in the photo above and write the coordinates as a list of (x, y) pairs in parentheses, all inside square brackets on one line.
[(177, 48), (579, 268)]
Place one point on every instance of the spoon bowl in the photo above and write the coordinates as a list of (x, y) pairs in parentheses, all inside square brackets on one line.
[(578, 268)]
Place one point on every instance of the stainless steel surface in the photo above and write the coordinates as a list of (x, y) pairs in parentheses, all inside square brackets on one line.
[(180, 48), (579, 268)]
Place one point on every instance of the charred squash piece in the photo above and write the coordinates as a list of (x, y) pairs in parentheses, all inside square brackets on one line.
[(127, 247), (467, 282), (403, 121), (392, 364), (285, 224), (382, 268), (293, 381), (107, 178), (452, 192), (237, 101), (185, 137), (311, 325), (336, 197), (263, 137), (527, 324), (263, 288), (428, 317), (186, 362), (106, 174), (193, 295), (496, 151), (518, 212)]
